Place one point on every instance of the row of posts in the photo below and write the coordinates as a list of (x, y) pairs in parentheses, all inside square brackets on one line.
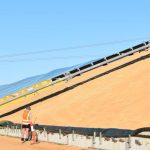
[(13, 131), (127, 141)]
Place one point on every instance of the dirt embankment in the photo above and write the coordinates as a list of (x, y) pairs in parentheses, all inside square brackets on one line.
[(118, 96)]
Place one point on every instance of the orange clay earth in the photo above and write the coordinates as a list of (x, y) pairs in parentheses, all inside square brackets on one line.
[(8, 143), (118, 97)]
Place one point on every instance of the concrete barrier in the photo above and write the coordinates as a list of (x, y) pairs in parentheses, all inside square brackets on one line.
[(84, 141)]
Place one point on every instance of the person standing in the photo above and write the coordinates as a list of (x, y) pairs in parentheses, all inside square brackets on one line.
[(26, 121)]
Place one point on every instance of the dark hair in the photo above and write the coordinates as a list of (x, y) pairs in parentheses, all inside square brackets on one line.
[(28, 108)]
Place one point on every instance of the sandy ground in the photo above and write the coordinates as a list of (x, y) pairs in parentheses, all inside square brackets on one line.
[(119, 99), (9, 143)]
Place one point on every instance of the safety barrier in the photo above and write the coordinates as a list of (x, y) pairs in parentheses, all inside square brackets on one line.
[(84, 141), (82, 69)]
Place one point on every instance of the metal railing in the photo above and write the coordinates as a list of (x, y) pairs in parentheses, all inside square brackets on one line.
[(92, 65)]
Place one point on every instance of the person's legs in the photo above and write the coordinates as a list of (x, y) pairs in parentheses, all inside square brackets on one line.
[(30, 133), (23, 133), (27, 133)]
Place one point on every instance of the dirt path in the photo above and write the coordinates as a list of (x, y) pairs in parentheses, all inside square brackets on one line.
[(8, 143)]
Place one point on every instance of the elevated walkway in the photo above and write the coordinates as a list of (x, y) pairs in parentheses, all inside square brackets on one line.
[(68, 74)]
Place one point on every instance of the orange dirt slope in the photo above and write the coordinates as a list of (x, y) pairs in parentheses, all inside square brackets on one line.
[(118, 96)]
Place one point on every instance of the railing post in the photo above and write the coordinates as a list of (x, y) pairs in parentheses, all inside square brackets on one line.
[(94, 135), (100, 138), (67, 139), (59, 133), (7, 130), (72, 135), (129, 141)]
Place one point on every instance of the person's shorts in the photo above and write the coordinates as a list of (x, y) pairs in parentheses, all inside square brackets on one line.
[(26, 126)]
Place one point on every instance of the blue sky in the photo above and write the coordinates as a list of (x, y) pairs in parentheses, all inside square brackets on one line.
[(39, 25)]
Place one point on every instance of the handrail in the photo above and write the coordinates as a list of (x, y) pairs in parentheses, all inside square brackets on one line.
[(68, 75)]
